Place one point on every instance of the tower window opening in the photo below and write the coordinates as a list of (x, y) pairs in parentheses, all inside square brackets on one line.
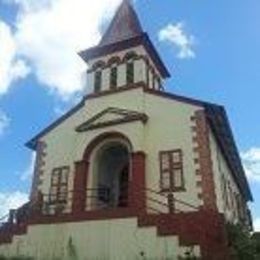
[(98, 81), (130, 72), (113, 78)]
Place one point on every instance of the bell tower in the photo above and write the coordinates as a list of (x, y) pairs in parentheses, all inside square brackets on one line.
[(125, 56)]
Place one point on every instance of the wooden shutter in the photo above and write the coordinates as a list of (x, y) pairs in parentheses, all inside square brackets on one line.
[(59, 185), (171, 170)]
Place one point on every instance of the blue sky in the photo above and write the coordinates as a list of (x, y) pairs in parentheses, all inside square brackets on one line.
[(212, 49)]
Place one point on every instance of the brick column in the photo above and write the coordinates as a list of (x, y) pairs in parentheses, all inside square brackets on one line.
[(137, 184), (79, 187), (204, 161)]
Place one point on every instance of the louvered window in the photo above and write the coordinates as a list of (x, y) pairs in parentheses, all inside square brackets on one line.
[(98, 81), (113, 78), (59, 185), (171, 168), (130, 72)]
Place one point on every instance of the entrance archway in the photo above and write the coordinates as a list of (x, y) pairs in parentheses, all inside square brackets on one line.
[(86, 175), (112, 170)]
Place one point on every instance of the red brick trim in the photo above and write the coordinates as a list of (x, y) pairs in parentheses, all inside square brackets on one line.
[(137, 178), (203, 228), (203, 160), (138, 182), (140, 84), (80, 186), (84, 216), (115, 60), (82, 170), (100, 138)]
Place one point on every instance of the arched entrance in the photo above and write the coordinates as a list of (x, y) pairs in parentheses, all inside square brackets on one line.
[(112, 172), (100, 165)]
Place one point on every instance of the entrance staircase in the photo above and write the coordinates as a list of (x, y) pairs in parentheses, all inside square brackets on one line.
[(160, 225)]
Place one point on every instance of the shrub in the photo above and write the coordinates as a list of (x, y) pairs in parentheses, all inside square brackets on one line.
[(241, 243)]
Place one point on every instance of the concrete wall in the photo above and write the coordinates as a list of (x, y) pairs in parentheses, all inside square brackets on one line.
[(119, 239)]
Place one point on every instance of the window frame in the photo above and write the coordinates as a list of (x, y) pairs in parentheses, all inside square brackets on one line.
[(57, 197), (173, 168), (130, 77), (97, 81), (113, 77)]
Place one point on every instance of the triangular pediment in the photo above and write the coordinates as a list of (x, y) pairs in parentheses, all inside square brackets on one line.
[(111, 116)]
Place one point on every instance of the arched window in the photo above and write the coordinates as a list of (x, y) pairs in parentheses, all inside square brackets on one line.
[(97, 81), (129, 59), (130, 56), (99, 65), (130, 72), (113, 77), (114, 60)]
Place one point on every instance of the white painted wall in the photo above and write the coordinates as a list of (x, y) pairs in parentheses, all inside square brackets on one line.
[(65, 146), (222, 174), (168, 128), (139, 69), (118, 239)]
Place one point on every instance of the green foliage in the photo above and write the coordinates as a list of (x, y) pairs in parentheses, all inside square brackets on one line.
[(256, 240), (15, 258), (243, 247)]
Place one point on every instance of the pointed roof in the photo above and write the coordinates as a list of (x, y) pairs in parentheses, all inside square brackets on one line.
[(125, 31), (125, 25)]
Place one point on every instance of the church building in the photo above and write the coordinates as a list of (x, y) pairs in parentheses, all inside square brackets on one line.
[(132, 171)]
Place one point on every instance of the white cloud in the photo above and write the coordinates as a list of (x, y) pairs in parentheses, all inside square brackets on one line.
[(181, 41), (11, 68), (257, 224), (4, 122), (11, 200), (28, 172), (251, 161), (50, 33)]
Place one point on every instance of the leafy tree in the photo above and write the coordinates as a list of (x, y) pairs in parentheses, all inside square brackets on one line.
[(241, 243)]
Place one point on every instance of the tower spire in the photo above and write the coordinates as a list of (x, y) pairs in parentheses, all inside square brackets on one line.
[(125, 32), (125, 25)]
